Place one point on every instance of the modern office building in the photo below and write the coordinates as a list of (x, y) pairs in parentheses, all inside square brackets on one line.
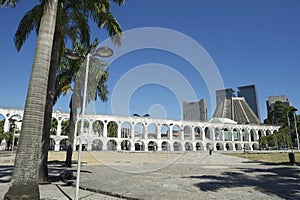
[(272, 100), (195, 111), (242, 108), (250, 95)]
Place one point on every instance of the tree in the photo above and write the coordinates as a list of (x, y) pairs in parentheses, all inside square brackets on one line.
[(70, 72), (25, 177), (72, 22)]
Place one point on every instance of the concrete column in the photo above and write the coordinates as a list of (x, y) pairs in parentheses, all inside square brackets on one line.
[(119, 131), (6, 125), (170, 136), (105, 130), (158, 132), (56, 146), (58, 130), (119, 146)]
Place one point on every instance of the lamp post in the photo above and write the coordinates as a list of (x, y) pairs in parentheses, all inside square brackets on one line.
[(101, 52), (140, 141), (291, 154), (296, 130)]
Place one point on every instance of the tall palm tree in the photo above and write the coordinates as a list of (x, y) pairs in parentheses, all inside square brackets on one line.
[(71, 23), (25, 177), (70, 72)]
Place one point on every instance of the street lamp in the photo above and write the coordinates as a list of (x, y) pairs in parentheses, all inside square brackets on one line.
[(140, 141), (296, 130), (291, 154), (101, 52)]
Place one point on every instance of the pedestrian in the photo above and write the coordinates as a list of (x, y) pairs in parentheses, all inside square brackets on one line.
[(210, 151)]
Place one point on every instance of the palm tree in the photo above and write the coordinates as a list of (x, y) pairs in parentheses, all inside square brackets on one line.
[(25, 177), (70, 72), (72, 22)]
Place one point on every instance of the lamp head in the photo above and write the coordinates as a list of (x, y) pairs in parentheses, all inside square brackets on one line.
[(104, 51), (73, 55)]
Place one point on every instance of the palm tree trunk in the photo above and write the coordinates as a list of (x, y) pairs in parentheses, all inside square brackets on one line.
[(43, 165), (71, 133), (25, 177)]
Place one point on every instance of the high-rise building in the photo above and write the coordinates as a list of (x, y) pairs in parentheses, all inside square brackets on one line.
[(250, 95), (242, 108), (195, 111), (272, 100), (223, 94)]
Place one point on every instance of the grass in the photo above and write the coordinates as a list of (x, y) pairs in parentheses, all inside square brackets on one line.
[(274, 157)]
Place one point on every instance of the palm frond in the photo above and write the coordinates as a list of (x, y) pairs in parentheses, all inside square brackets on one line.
[(29, 22), (9, 3)]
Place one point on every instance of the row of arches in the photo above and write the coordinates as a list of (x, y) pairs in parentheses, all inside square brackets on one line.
[(152, 145)]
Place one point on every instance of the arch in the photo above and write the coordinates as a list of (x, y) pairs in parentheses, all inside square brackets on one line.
[(238, 146), (247, 146), (112, 129), (268, 132), (219, 146), (63, 144), (152, 131), (227, 135), (86, 125), (126, 130), (199, 146), (260, 133), (112, 145), (187, 131), (177, 146), (125, 145), (139, 145), (197, 133), (229, 146), (209, 145), (188, 146), (152, 146), (236, 135), (208, 133), (245, 135), (218, 135), (176, 132), (165, 131), (98, 127), (255, 146), (65, 123), (97, 145), (253, 135), (139, 130), (53, 128), (165, 146)]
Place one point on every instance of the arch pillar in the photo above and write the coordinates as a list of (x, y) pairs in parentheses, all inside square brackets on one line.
[(105, 130)]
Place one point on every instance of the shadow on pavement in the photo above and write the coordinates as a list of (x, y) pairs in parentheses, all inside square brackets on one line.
[(5, 173), (280, 181)]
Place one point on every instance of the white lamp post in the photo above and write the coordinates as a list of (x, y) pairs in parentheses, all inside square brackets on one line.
[(296, 130), (140, 141), (101, 52)]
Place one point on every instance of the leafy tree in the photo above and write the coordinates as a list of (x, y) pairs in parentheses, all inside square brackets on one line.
[(112, 129), (1, 126)]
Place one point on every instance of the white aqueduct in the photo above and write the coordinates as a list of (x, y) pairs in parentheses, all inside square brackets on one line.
[(106, 132)]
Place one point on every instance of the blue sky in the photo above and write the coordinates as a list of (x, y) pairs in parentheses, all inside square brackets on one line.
[(250, 42)]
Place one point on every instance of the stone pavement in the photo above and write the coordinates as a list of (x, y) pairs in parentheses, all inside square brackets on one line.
[(190, 175)]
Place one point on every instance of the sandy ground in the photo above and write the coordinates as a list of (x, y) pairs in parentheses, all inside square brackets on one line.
[(110, 158)]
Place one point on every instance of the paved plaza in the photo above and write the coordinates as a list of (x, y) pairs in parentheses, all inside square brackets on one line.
[(189, 175)]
